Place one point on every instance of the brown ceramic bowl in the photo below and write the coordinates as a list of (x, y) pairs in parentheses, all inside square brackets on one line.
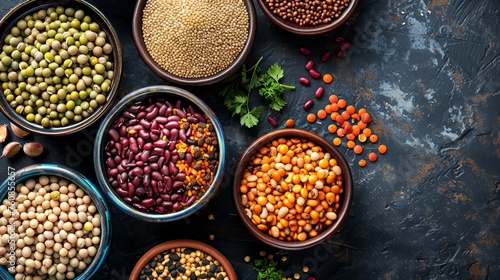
[(345, 197), (307, 30), (137, 35), (32, 6), (182, 243)]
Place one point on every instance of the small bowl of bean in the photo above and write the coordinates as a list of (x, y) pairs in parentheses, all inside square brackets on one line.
[(160, 154), (183, 259), (292, 189), (54, 224), (202, 43), (60, 66), (310, 17)]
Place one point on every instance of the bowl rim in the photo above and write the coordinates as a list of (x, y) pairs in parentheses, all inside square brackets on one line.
[(187, 243), (203, 81), (141, 94), (84, 183), (326, 145), (30, 6), (308, 30)]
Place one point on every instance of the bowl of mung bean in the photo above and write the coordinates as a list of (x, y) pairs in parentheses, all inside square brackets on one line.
[(309, 17), (54, 224), (183, 259), (201, 43), (60, 66), (160, 154), (292, 189)]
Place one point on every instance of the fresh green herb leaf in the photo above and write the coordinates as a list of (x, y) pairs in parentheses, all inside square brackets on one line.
[(267, 270), (239, 87)]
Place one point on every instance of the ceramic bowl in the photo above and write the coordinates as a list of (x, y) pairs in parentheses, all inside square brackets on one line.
[(138, 37), (295, 28), (182, 243), (30, 7), (37, 170), (172, 95), (264, 234)]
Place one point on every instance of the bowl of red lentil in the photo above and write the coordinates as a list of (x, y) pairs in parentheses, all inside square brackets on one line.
[(201, 43), (160, 155), (183, 259), (292, 189), (309, 17), (61, 228), (61, 68)]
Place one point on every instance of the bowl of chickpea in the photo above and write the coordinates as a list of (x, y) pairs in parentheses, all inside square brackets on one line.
[(292, 189)]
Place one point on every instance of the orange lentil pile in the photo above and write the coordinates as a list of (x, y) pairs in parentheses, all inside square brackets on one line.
[(350, 126)]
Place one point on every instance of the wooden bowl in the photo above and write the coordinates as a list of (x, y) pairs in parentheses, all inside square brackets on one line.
[(307, 30), (182, 243), (345, 198)]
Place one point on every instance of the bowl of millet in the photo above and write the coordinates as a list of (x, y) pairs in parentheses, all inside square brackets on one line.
[(60, 66), (311, 17), (183, 259), (54, 224), (292, 189), (192, 42)]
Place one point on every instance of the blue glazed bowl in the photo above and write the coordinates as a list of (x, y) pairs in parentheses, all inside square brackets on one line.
[(34, 171), (167, 93)]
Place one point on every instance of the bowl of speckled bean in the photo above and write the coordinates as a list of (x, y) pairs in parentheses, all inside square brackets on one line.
[(183, 259), (202, 43), (292, 189), (60, 66), (160, 155), (310, 17), (61, 228)]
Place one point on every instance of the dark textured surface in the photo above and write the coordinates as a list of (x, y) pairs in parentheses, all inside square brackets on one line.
[(428, 72)]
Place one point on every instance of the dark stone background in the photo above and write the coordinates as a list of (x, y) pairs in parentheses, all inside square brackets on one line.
[(429, 74)]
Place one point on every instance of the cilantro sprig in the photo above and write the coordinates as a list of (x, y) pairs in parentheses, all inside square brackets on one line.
[(239, 87), (267, 270)]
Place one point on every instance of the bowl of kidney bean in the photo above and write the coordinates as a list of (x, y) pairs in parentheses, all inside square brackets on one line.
[(292, 189), (183, 259), (160, 154), (55, 223), (309, 17)]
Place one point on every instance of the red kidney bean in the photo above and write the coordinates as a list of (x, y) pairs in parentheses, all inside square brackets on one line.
[(177, 184), (173, 118), (164, 170), (148, 146), (141, 115), (319, 92), (146, 180), (145, 124), (171, 147), (177, 206), (167, 204), (113, 172), (174, 133), (143, 134), (325, 56), (315, 73), (172, 168), (180, 113), (309, 64), (133, 145), (119, 148), (123, 130), (153, 114), (131, 188), (161, 143), (272, 121), (139, 206), (155, 175), (339, 39), (304, 81), (127, 200), (134, 109), (182, 135), (200, 117), (148, 202), (345, 46), (192, 119), (176, 197), (172, 124), (121, 192), (162, 110), (179, 177), (137, 171), (114, 134), (191, 200), (161, 120), (308, 104), (305, 51), (339, 54), (157, 151), (110, 163), (129, 115), (167, 181)]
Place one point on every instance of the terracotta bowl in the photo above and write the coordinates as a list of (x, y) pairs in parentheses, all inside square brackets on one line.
[(345, 197), (30, 7), (182, 243), (137, 35), (307, 30)]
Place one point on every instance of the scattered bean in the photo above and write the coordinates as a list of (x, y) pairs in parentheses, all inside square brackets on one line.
[(309, 65), (272, 121), (314, 73), (305, 51), (308, 104), (319, 92), (303, 80)]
